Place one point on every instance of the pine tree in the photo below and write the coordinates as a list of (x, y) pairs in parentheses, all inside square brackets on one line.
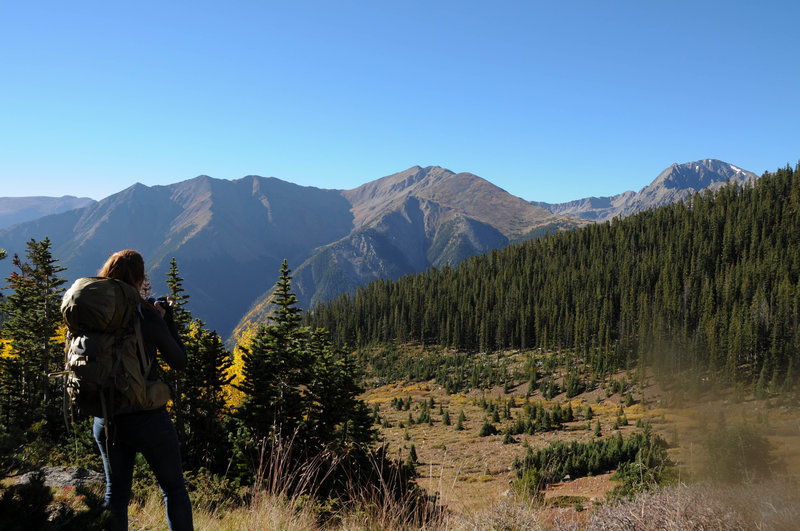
[(180, 313), (182, 318), (460, 422), (333, 411), (487, 429), (276, 367), (9, 376), (297, 385), (33, 330), (412, 456), (204, 402), (569, 415), (424, 414)]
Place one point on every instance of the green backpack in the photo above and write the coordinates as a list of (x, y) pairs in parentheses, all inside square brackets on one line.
[(106, 368)]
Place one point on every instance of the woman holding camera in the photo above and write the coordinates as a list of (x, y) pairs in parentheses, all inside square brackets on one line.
[(149, 432)]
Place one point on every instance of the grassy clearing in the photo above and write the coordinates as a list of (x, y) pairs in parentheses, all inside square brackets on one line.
[(467, 471), (470, 473)]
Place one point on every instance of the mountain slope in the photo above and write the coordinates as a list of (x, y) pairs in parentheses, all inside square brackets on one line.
[(410, 221), (15, 210), (675, 183)]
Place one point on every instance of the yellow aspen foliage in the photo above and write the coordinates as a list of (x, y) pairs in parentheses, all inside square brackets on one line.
[(194, 330), (61, 334), (7, 345), (61, 338), (243, 341), (5, 348)]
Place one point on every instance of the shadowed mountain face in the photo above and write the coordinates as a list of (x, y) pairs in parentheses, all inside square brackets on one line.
[(15, 210), (676, 183), (228, 237), (409, 221)]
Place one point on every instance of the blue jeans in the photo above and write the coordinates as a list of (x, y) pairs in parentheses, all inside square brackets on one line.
[(152, 434)]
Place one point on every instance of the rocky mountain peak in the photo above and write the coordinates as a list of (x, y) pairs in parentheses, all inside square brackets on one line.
[(675, 183), (375, 196), (699, 175)]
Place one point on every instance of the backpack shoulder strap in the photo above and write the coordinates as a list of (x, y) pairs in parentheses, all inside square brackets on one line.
[(137, 326)]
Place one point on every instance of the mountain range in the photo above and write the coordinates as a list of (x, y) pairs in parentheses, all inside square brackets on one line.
[(675, 183), (15, 210), (229, 237)]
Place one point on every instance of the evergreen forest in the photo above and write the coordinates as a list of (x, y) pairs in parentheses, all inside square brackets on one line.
[(707, 287)]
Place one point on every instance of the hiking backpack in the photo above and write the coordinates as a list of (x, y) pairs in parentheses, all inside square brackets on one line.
[(106, 368)]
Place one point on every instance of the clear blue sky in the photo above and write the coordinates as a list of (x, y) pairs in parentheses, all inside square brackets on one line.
[(549, 100)]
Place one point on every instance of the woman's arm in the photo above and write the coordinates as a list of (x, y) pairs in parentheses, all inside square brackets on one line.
[(164, 336)]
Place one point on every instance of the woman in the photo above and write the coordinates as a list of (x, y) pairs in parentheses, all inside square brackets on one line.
[(149, 432)]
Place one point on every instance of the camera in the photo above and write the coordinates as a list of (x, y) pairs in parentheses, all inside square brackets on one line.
[(163, 303)]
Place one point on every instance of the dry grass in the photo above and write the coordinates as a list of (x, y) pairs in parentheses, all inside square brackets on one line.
[(269, 511), (508, 514), (266, 512), (773, 505)]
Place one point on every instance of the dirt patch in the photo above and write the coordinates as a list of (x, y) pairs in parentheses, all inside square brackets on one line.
[(593, 488)]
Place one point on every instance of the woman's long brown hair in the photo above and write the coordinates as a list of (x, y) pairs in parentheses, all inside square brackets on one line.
[(126, 265)]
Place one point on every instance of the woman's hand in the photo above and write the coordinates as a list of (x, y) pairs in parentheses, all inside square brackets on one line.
[(161, 310)]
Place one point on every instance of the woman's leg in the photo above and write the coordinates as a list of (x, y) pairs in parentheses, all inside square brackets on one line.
[(163, 454), (118, 465)]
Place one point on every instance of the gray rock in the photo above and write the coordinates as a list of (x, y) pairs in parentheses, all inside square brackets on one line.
[(64, 476)]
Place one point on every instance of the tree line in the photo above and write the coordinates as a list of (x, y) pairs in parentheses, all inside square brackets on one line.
[(707, 286)]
